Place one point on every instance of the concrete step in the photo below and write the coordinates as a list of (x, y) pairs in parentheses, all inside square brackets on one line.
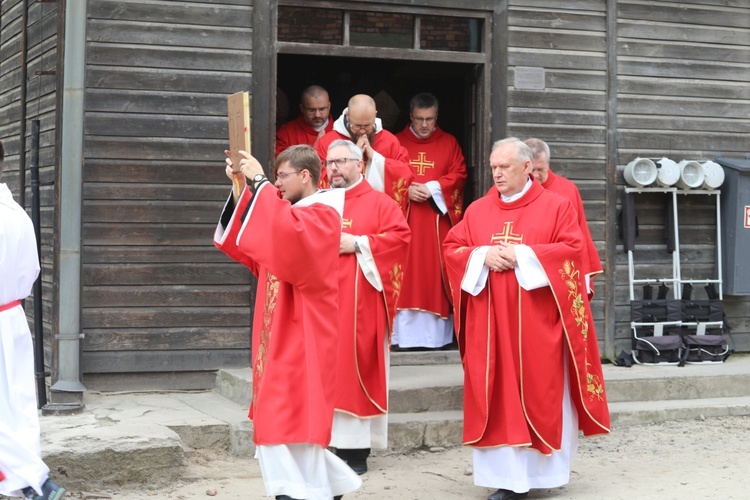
[(431, 386)]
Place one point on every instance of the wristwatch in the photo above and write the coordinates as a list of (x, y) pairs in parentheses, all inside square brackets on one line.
[(356, 247), (257, 180)]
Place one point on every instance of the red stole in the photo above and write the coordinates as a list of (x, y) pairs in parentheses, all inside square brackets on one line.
[(367, 315), (511, 340), (295, 323)]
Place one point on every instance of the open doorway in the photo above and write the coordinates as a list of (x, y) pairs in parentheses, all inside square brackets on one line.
[(393, 82)]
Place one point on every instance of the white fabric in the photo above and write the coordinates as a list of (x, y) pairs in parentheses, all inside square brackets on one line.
[(421, 329), (520, 469), (354, 433), (305, 470), (437, 196), (20, 448)]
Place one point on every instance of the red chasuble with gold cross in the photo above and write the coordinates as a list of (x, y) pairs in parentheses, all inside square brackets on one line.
[(366, 320), (511, 340), (295, 324), (437, 158)]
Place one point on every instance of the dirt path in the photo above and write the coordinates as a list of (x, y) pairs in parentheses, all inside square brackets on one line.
[(671, 460)]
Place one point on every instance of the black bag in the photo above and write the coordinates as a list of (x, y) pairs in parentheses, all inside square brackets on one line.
[(701, 348), (649, 348), (660, 349)]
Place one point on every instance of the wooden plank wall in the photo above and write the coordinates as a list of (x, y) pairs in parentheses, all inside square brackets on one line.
[(683, 93), (41, 61), (569, 41), (157, 296)]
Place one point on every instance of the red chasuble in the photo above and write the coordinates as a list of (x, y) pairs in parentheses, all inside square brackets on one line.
[(398, 175), (295, 324), (366, 315), (591, 264), (437, 158), (511, 340), (297, 131)]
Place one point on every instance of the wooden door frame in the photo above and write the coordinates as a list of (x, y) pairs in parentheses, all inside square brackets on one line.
[(493, 59)]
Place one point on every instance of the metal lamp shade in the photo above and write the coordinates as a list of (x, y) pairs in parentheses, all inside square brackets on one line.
[(714, 175), (668, 173), (640, 172), (691, 174)]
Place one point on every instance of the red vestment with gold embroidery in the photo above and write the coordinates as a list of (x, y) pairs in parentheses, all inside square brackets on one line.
[(592, 265), (437, 158), (511, 340), (295, 323), (366, 315)]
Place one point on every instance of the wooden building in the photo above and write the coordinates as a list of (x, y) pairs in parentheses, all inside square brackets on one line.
[(131, 98)]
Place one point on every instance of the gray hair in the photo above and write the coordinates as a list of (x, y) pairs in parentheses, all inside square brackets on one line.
[(523, 152), (353, 148), (537, 146)]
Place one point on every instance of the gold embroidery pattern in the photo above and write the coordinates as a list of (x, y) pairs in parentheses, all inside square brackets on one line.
[(397, 275), (457, 203), (571, 275), (271, 293), (594, 385), (400, 192)]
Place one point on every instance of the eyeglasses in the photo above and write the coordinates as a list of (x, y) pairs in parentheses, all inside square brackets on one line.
[(424, 120), (339, 162), (284, 175), (358, 128)]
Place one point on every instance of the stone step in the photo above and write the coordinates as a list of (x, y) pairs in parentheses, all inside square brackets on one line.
[(418, 388), (408, 431)]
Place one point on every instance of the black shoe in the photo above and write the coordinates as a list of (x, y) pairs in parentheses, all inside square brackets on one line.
[(50, 491), (502, 494), (358, 466), (355, 458), (284, 497), (338, 497)]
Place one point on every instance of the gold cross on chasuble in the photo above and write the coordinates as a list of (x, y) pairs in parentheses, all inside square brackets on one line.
[(347, 223), (421, 163), (506, 235)]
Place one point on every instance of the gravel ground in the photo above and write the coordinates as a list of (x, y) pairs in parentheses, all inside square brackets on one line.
[(671, 460)]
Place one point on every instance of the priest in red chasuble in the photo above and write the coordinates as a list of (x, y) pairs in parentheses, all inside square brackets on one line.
[(424, 317), (288, 235), (312, 123), (532, 372), (592, 265), (374, 244), (386, 162)]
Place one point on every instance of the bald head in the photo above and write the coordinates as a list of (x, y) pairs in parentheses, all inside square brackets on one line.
[(362, 103)]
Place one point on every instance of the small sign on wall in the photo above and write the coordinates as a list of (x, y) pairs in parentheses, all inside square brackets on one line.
[(747, 217), (528, 77)]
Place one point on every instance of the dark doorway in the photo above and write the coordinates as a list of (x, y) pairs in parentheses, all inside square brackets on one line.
[(344, 77)]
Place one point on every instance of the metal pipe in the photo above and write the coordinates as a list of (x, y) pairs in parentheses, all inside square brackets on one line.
[(67, 390), (22, 118), (39, 372)]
